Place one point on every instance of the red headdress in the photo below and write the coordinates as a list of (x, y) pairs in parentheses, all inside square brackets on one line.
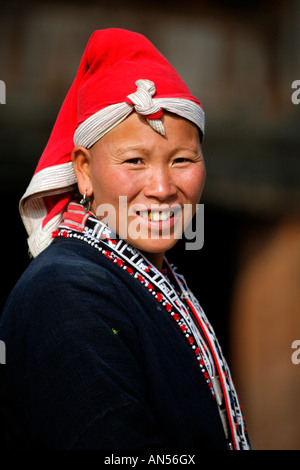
[(120, 71)]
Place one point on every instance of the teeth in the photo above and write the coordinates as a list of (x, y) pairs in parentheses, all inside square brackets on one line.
[(144, 214), (156, 216)]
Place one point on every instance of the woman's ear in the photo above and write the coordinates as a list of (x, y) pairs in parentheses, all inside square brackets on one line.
[(81, 159)]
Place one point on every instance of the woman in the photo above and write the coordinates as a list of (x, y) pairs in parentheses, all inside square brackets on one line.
[(106, 346)]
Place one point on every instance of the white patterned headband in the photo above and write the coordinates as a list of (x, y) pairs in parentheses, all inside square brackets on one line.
[(97, 125)]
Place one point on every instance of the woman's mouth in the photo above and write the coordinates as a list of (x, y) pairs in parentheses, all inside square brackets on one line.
[(156, 216), (158, 220)]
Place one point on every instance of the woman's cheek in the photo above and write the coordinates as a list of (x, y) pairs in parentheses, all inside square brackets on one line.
[(193, 184)]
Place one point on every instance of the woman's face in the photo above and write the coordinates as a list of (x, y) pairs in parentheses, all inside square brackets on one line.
[(155, 175)]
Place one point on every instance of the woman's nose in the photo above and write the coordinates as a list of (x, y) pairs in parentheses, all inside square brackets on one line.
[(159, 185)]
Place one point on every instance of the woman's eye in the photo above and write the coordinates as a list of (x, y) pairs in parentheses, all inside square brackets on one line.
[(134, 161), (182, 160)]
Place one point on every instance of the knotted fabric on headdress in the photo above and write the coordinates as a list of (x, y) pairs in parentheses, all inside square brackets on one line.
[(120, 72)]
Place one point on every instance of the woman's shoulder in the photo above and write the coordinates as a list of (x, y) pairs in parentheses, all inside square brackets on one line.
[(65, 261), (68, 291), (66, 273)]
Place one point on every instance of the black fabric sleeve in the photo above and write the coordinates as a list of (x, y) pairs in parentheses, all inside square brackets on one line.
[(81, 378)]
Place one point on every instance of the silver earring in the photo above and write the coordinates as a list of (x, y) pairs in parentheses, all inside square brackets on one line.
[(85, 202)]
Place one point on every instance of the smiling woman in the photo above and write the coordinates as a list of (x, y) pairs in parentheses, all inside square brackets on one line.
[(107, 348)]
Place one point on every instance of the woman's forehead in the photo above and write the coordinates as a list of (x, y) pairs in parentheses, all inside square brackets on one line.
[(135, 134)]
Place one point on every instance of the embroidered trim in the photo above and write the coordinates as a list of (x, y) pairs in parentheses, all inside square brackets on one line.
[(182, 306)]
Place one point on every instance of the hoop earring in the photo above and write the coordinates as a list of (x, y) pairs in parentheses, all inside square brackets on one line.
[(85, 202)]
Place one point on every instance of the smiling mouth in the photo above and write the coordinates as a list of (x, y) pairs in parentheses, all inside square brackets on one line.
[(156, 216)]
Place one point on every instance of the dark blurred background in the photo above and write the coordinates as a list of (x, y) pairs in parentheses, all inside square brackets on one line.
[(240, 58)]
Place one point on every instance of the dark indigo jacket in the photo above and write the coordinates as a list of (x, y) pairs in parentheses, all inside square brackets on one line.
[(94, 362)]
